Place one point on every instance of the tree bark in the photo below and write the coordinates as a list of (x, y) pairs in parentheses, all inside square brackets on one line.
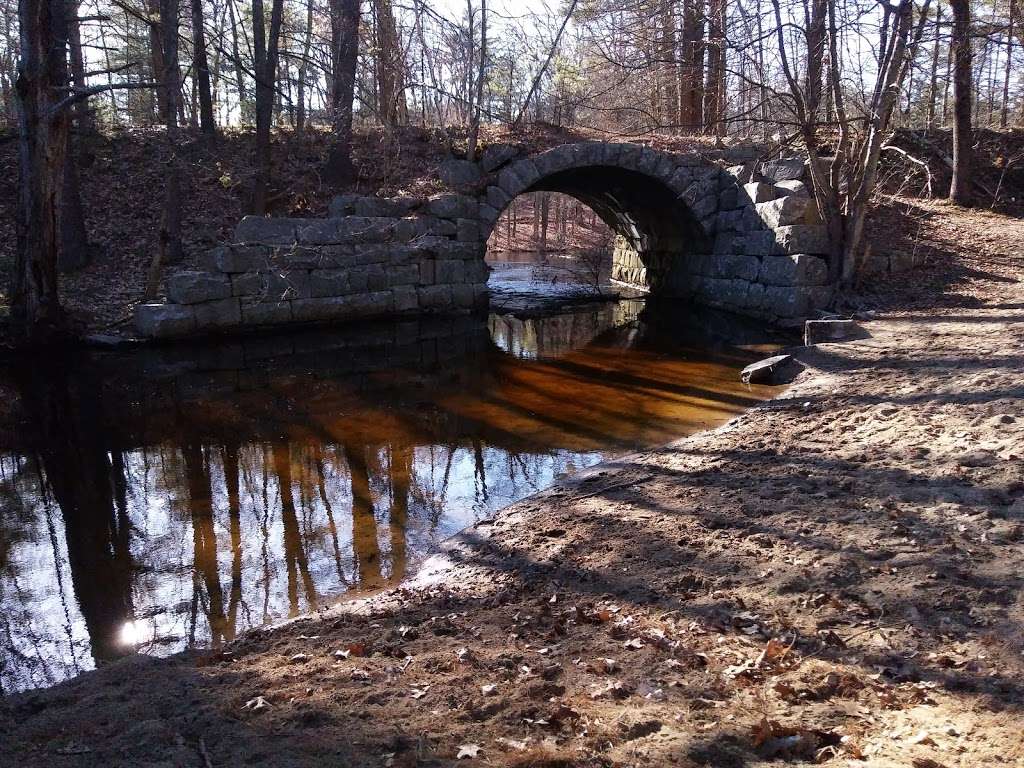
[(714, 92), (474, 128), (667, 65), (201, 72), (265, 54), (392, 107), (300, 111), (170, 251), (691, 72), (43, 140), (156, 52), (1004, 112), (934, 85), (963, 138), (74, 239), (339, 170)]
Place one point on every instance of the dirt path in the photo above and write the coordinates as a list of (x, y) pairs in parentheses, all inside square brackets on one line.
[(833, 577)]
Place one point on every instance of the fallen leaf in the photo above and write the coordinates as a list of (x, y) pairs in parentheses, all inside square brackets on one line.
[(468, 751), (513, 743), (257, 704)]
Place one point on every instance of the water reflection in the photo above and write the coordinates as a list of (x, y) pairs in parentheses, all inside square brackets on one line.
[(159, 500)]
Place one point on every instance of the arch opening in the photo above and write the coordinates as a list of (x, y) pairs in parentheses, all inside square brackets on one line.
[(650, 224)]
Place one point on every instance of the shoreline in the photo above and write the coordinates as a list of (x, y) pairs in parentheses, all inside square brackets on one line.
[(835, 576)]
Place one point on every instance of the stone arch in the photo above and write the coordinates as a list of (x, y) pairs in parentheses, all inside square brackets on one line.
[(745, 238), (659, 205)]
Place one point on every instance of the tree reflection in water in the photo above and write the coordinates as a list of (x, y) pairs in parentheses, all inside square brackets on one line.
[(155, 501)]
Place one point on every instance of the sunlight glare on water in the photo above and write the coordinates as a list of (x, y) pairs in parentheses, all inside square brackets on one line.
[(157, 500)]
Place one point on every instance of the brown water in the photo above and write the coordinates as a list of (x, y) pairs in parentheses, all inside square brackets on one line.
[(151, 501)]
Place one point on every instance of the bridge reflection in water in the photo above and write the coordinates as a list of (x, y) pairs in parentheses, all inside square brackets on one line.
[(158, 500)]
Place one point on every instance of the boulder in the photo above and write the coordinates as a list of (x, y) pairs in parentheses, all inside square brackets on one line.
[(497, 155), (267, 313), (342, 205), (158, 321), (259, 230), (435, 297), (459, 174), (782, 212), (196, 287), (759, 192), (406, 298), (795, 302), (237, 258), (794, 269), (791, 187), (783, 170), (452, 206), (212, 315), (740, 174), (385, 206), (802, 238), (765, 371)]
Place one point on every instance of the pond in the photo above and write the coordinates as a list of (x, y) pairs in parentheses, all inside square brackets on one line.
[(157, 499)]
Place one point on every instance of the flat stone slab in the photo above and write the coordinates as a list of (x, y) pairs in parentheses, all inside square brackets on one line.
[(764, 371)]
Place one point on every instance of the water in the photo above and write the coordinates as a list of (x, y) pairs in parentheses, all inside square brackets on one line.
[(156, 500)]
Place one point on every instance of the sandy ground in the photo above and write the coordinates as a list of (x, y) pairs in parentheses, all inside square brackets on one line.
[(833, 577)]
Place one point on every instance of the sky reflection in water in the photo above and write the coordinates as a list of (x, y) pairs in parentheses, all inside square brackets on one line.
[(159, 500)]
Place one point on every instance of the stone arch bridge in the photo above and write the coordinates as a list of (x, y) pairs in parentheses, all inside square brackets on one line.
[(715, 227)]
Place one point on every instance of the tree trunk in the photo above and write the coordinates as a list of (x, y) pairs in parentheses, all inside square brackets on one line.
[(300, 112), (201, 72), (667, 65), (1004, 112), (43, 139), (714, 92), (691, 72), (170, 225), (474, 128), (815, 57), (963, 139), (156, 52), (236, 62), (344, 54), (392, 106), (934, 85), (74, 239), (82, 115), (265, 51)]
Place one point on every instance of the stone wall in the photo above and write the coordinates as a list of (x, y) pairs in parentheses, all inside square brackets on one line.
[(767, 247), (712, 226), (370, 258)]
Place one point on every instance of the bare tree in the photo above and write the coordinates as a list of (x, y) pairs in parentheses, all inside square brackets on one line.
[(963, 132), (339, 169), (201, 72), (43, 142), (265, 57), (844, 183), (474, 128)]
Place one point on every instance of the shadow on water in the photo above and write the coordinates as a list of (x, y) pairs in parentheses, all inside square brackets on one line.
[(170, 498)]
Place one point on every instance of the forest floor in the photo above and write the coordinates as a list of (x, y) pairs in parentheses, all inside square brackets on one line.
[(833, 577)]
